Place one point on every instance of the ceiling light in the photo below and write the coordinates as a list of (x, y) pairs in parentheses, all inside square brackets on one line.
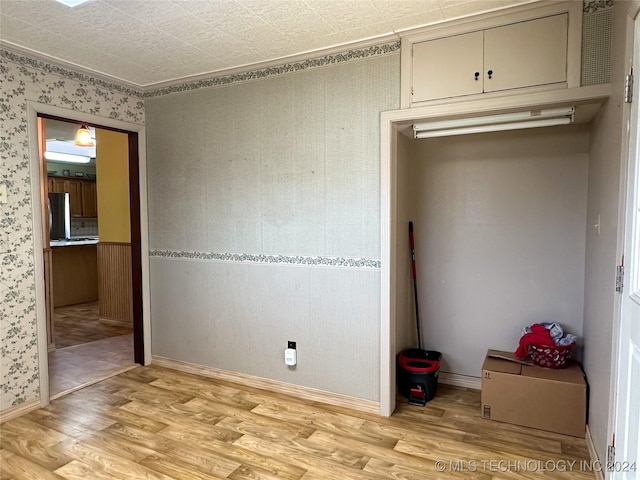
[(72, 3), (66, 157), (494, 123), (83, 137)]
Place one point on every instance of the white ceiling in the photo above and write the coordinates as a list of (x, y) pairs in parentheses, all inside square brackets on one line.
[(150, 42)]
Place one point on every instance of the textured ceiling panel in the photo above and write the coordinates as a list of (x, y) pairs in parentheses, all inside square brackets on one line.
[(147, 42)]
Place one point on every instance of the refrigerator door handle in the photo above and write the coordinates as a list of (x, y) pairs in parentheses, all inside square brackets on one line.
[(50, 217)]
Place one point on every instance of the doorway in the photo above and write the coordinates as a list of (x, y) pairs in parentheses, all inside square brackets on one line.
[(87, 346)]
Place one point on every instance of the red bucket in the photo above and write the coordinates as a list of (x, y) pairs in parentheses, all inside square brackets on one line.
[(417, 367)]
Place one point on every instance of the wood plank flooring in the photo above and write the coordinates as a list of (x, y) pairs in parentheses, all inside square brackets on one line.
[(81, 323), (156, 423)]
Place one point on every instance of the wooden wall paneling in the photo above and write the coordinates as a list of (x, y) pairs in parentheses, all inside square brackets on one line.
[(48, 298), (114, 281), (45, 188)]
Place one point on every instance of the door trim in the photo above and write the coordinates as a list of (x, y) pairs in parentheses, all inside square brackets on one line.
[(141, 288)]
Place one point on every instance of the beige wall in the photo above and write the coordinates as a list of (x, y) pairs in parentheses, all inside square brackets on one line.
[(500, 238), (406, 335), (603, 254), (256, 192), (112, 174)]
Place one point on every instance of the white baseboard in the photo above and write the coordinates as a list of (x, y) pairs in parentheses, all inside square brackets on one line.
[(593, 454), (296, 391), (21, 409), (456, 380)]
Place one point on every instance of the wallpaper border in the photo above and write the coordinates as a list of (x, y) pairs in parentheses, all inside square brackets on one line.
[(270, 259), (50, 67), (316, 62), (213, 81), (591, 6)]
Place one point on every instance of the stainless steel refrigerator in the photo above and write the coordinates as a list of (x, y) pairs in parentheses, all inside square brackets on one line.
[(59, 216)]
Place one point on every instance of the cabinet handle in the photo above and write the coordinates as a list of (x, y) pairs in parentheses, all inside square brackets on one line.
[(477, 74), (490, 72)]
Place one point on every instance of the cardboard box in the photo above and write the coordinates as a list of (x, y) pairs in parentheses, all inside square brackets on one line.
[(532, 396)]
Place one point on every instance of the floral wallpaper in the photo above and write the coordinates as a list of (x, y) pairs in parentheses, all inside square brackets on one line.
[(21, 79)]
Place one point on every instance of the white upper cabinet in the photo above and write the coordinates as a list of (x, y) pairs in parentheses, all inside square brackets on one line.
[(448, 67), (501, 54), (526, 54)]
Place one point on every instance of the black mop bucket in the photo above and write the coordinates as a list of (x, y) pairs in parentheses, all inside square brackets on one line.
[(417, 374)]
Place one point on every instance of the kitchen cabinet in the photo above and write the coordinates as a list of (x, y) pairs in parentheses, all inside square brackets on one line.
[(56, 184), (82, 194), (74, 187), (89, 199), (75, 274), (523, 54)]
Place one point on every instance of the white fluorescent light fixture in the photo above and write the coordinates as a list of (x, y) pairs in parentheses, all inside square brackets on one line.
[(66, 157), (495, 123), (72, 3)]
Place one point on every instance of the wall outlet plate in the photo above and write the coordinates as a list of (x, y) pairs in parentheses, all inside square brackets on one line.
[(290, 357)]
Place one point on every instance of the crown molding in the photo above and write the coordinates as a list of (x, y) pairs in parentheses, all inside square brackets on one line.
[(41, 61), (312, 59), (297, 63)]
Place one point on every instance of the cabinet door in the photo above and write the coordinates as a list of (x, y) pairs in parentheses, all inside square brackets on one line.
[(56, 185), (447, 67), (526, 54), (89, 199), (74, 187)]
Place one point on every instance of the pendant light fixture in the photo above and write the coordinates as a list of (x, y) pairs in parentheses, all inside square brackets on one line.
[(83, 137)]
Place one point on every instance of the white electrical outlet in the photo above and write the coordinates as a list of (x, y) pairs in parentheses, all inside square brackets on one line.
[(290, 357), (3, 194)]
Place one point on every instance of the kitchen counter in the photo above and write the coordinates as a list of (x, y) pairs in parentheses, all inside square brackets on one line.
[(73, 242)]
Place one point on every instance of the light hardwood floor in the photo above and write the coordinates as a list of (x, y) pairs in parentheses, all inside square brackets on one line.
[(156, 423)]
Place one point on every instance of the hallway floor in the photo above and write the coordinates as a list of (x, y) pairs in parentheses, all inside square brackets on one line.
[(89, 349), (81, 323)]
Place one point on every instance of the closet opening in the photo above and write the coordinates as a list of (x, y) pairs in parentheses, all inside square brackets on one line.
[(500, 221)]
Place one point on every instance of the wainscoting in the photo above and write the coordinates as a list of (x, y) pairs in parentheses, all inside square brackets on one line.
[(114, 281)]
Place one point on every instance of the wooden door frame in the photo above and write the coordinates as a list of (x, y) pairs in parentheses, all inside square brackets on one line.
[(139, 229)]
